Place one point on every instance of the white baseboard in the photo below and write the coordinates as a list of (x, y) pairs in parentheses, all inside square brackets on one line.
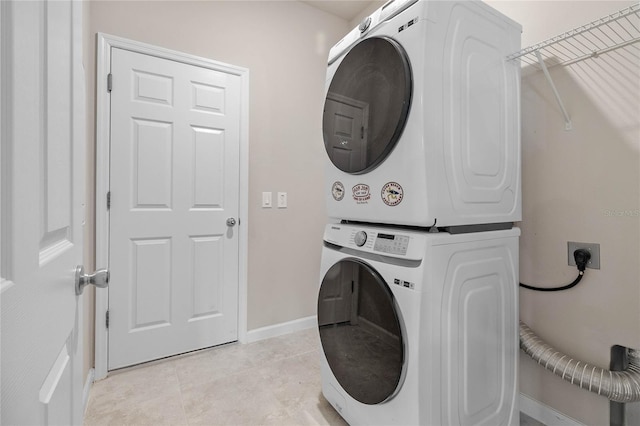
[(545, 414), (87, 388), (281, 329)]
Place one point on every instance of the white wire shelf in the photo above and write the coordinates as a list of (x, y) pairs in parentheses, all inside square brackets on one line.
[(620, 29), (604, 35)]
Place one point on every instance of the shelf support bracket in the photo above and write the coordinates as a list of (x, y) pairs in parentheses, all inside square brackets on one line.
[(567, 119)]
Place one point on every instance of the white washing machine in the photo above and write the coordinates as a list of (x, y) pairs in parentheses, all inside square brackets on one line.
[(419, 328), (421, 119)]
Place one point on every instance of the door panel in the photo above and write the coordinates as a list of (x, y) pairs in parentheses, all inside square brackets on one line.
[(153, 88), (208, 170), (151, 283), (42, 158), (57, 390), (207, 288), (174, 182), (151, 147)]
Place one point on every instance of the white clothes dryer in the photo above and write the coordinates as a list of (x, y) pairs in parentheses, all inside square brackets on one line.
[(421, 120), (419, 328)]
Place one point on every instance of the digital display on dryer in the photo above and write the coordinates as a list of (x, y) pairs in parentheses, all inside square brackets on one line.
[(392, 244), (386, 236)]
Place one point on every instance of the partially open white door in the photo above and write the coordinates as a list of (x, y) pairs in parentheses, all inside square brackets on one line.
[(42, 211), (174, 207)]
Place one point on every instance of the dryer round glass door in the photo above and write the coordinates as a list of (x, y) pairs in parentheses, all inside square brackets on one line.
[(367, 105), (360, 331)]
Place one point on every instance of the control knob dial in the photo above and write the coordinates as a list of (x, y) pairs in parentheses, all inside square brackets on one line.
[(360, 238)]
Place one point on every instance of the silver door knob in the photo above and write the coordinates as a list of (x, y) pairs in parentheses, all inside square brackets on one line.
[(231, 222), (99, 278)]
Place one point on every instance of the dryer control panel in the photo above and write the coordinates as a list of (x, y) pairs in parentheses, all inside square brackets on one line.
[(391, 243)]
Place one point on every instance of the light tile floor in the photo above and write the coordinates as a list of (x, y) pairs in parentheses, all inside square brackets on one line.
[(270, 382)]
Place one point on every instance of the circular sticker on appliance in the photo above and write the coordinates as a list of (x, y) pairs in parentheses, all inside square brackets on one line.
[(361, 193), (337, 190), (392, 194)]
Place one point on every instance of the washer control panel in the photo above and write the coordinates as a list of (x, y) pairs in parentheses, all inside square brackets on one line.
[(383, 241), (391, 243)]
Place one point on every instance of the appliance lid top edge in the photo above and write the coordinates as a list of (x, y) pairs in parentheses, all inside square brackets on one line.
[(380, 15)]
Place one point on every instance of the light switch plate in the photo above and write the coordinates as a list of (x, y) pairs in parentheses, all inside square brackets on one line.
[(267, 200)]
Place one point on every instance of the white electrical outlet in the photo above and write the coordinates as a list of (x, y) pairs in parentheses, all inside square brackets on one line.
[(282, 200), (267, 200)]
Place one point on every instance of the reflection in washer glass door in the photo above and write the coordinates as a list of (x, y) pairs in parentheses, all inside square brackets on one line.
[(367, 105), (360, 331)]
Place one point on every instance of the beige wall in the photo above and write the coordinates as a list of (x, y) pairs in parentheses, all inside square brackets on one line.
[(373, 6), (571, 180), (88, 300)]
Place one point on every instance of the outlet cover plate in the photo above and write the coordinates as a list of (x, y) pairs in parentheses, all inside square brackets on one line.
[(282, 200), (594, 249)]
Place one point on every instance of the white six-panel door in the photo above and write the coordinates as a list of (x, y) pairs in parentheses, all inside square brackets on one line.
[(43, 146), (174, 182)]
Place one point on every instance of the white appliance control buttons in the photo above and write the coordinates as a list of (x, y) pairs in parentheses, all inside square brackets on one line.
[(360, 238), (392, 244)]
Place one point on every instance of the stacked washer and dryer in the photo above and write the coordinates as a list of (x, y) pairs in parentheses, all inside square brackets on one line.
[(418, 300)]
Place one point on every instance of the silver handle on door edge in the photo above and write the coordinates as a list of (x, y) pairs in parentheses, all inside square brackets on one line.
[(99, 278), (231, 222)]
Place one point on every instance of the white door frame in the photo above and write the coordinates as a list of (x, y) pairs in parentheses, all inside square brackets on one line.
[(103, 120)]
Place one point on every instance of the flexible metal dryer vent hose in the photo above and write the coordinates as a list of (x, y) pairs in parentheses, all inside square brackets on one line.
[(619, 386)]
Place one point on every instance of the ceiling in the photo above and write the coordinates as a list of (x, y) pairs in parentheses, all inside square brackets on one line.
[(345, 9)]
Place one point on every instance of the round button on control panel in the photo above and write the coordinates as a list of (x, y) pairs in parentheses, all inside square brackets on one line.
[(364, 25), (360, 238)]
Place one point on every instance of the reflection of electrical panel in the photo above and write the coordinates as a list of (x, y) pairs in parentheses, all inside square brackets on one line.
[(282, 200)]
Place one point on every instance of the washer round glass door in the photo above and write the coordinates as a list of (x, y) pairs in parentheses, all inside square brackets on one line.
[(360, 331), (367, 105)]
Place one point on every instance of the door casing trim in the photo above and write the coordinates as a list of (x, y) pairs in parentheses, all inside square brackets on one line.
[(103, 118)]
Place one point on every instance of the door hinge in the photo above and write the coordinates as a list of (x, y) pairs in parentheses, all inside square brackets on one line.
[(109, 82), (107, 318), (362, 132), (352, 286), (109, 200)]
